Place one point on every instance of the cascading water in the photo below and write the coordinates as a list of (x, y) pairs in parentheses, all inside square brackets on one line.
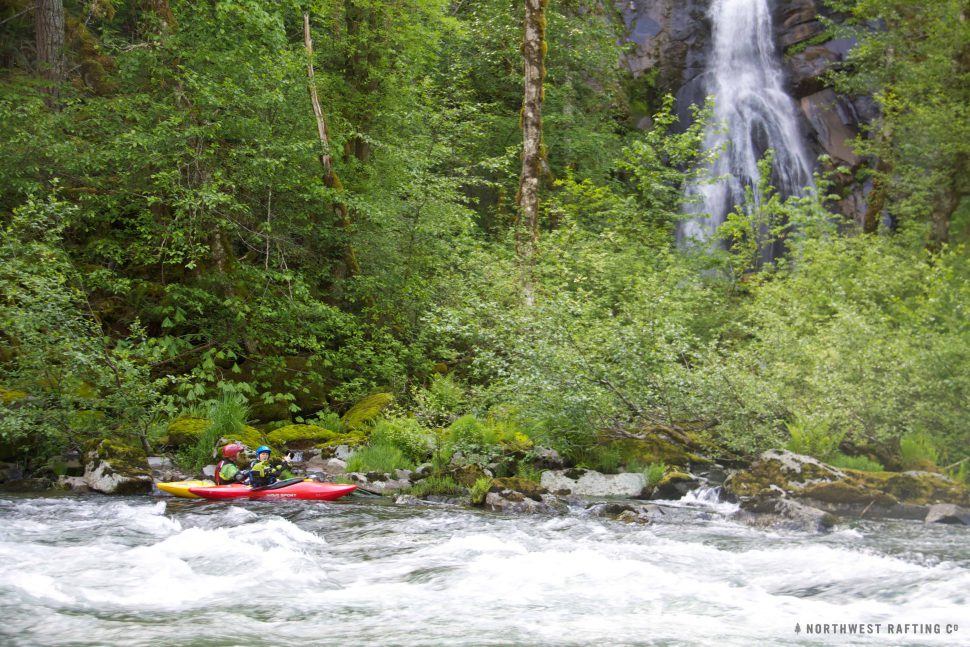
[(752, 113)]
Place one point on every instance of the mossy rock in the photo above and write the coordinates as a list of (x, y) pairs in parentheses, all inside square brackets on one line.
[(187, 431), (353, 439), (528, 488), (848, 491), (300, 436), (780, 469), (9, 396), (125, 456), (658, 447), (466, 474), (923, 488), (366, 410)]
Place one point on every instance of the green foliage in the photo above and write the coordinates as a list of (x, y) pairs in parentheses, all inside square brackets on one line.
[(406, 434), (437, 485), (654, 473), (480, 489), (441, 402), (862, 463), (812, 435), (918, 452), (474, 440), (378, 458)]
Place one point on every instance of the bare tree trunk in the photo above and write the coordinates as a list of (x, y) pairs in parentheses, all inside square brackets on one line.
[(330, 178), (945, 202), (49, 35), (527, 225)]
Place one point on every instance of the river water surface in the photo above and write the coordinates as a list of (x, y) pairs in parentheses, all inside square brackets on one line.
[(97, 570)]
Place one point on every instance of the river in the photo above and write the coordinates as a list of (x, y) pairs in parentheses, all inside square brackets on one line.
[(96, 570)]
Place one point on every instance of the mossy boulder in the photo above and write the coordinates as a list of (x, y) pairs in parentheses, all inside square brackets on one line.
[(779, 473), (526, 487), (366, 410), (186, 431), (300, 436), (116, 466), (659, 445)]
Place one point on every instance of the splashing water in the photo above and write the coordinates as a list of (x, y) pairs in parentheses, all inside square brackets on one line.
[(752, 113), (129, 571)]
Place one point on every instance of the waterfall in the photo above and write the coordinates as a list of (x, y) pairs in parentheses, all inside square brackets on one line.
[(752, 113)]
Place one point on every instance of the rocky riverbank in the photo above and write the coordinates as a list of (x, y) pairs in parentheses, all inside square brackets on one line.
[(778, 489)]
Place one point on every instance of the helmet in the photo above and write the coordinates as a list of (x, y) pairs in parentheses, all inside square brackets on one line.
[(263, 448), (232, 450)]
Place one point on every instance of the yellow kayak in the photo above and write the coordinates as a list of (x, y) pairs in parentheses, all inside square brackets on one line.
[(181, 488)]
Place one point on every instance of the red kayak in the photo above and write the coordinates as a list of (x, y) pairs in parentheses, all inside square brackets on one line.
[(289, 489)]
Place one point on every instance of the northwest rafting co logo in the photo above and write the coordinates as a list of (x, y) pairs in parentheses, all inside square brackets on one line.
[(876, 628)]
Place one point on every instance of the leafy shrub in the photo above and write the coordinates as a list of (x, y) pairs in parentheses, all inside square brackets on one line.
[(480, 490), (328, 420), (378, 458), (917, 451), (441, 402), (476, 442), (529, 472), (407, 434), (861, 463)]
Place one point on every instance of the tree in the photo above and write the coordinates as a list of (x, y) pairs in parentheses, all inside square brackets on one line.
[(49, 37), (533, 53)]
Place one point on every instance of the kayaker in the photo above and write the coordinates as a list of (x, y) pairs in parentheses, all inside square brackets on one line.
[(262, 472), (227, 472)]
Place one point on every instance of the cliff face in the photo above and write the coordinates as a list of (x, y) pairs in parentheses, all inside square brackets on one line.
[(673, 39)]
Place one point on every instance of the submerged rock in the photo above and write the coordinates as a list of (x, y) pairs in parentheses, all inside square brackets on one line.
[(783, 513), (516, 502)]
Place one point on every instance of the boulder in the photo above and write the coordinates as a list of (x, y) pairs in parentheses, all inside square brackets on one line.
[(783, 513), (675, 485), (833, 125), (75, 484), (114, 467), (779, 469), (948, 513), (525, 487), (591, 483), (626, 512)]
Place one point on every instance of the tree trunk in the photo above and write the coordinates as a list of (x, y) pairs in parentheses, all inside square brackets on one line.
[(49, 34), (945, 202), (363, 24), (330, 179), (527, 225)]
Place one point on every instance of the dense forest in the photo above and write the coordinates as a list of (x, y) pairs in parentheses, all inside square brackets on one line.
[(451, 210)]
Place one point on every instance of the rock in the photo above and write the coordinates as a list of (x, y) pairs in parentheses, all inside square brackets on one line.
[(10, 472), (403, 475), (343, 452), (675, 485), (593, 483), (833, 124), (807, 67), (467, 474), (75, 484), (300, 436), (783, 469), (209, 471), (778, 512), (408, 499), (546, 458), (27, 485), (116, 468), (386, 486), (159, 462), (525, 487), (517, 503), (627, 512), (322, 465), (948, 513)]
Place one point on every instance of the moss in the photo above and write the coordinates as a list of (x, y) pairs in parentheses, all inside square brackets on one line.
[(847, 491), (656, 448), (8, 396), (366, 410), (123, 457), (529, 488), (353, 439), (186, 431), (300, 436)]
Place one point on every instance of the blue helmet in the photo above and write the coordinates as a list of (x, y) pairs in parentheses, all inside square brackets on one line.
[(261, 449)]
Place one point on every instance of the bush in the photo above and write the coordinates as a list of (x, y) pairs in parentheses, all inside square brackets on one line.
[(917, 451), (378, 458), (441, 402), (654, 472), (407, 434), (476, 442)]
